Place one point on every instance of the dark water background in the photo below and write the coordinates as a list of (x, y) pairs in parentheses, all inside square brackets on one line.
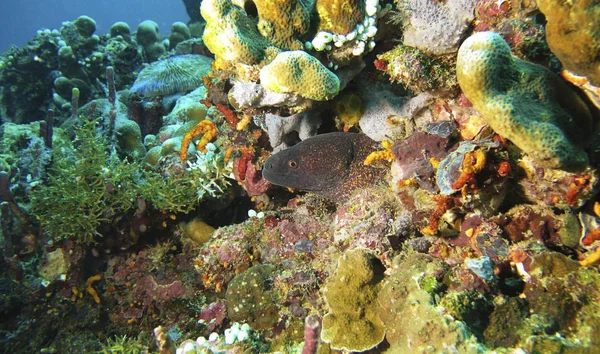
[(20, 19)]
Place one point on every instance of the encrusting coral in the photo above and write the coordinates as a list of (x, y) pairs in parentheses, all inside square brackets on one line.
[(353, 322), (525, 103), (436, 27)]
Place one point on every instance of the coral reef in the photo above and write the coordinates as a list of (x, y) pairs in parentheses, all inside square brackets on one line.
[(338, 178)]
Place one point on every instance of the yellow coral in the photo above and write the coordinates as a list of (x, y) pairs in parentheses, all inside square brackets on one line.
[(349, 110), (300, 73), (524, 102), (385, 154), (90, 289), (206, 127), (592, 259), (282, 21), (339, 16), (231, 35)]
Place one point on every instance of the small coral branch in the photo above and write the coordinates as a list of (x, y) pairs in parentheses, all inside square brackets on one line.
[(110, 81), (444, 203), (472, 164), (6, 196), (163, 342), (90, 289), (386, 154), (74, 101), (47, 128), (312, 330), (206, 127)]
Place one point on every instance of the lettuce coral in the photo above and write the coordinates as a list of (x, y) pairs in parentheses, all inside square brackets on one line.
[(525, 103), (172, 75)]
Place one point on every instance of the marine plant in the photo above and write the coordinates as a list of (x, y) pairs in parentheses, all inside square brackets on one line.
[(89, 185), (122, 345)]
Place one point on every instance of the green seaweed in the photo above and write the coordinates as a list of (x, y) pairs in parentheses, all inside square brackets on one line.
[(89, 185)]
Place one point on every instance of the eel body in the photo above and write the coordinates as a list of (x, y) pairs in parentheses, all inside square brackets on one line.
[(330, 165)]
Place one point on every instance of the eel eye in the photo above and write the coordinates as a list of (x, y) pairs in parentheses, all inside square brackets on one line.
[(292, 163)]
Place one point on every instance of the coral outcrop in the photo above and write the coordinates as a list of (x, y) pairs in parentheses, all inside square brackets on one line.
[(436, 27)]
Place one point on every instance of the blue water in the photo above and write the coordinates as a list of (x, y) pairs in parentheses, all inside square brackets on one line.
[(20, 19)]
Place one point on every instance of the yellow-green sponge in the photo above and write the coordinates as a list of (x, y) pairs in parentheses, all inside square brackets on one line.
[(300, 73), (525, 103)]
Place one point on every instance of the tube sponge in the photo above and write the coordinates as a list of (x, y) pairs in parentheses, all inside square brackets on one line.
[(301, 73), (525, 102)]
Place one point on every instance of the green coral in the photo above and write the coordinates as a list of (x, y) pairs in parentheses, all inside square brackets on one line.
[(300, 73), (573, 34), (353, 322), (86, 26), (179, 33), (90, 186), (148, 37), (525, 102)]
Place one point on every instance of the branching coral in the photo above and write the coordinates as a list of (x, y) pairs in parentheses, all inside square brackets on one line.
[(206, 128)]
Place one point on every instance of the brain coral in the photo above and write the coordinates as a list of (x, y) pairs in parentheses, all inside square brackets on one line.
[(300, 73), (573, 34), (524, 102), (175, 74)]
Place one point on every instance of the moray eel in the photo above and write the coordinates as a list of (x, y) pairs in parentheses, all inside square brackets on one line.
[(329, 165)]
